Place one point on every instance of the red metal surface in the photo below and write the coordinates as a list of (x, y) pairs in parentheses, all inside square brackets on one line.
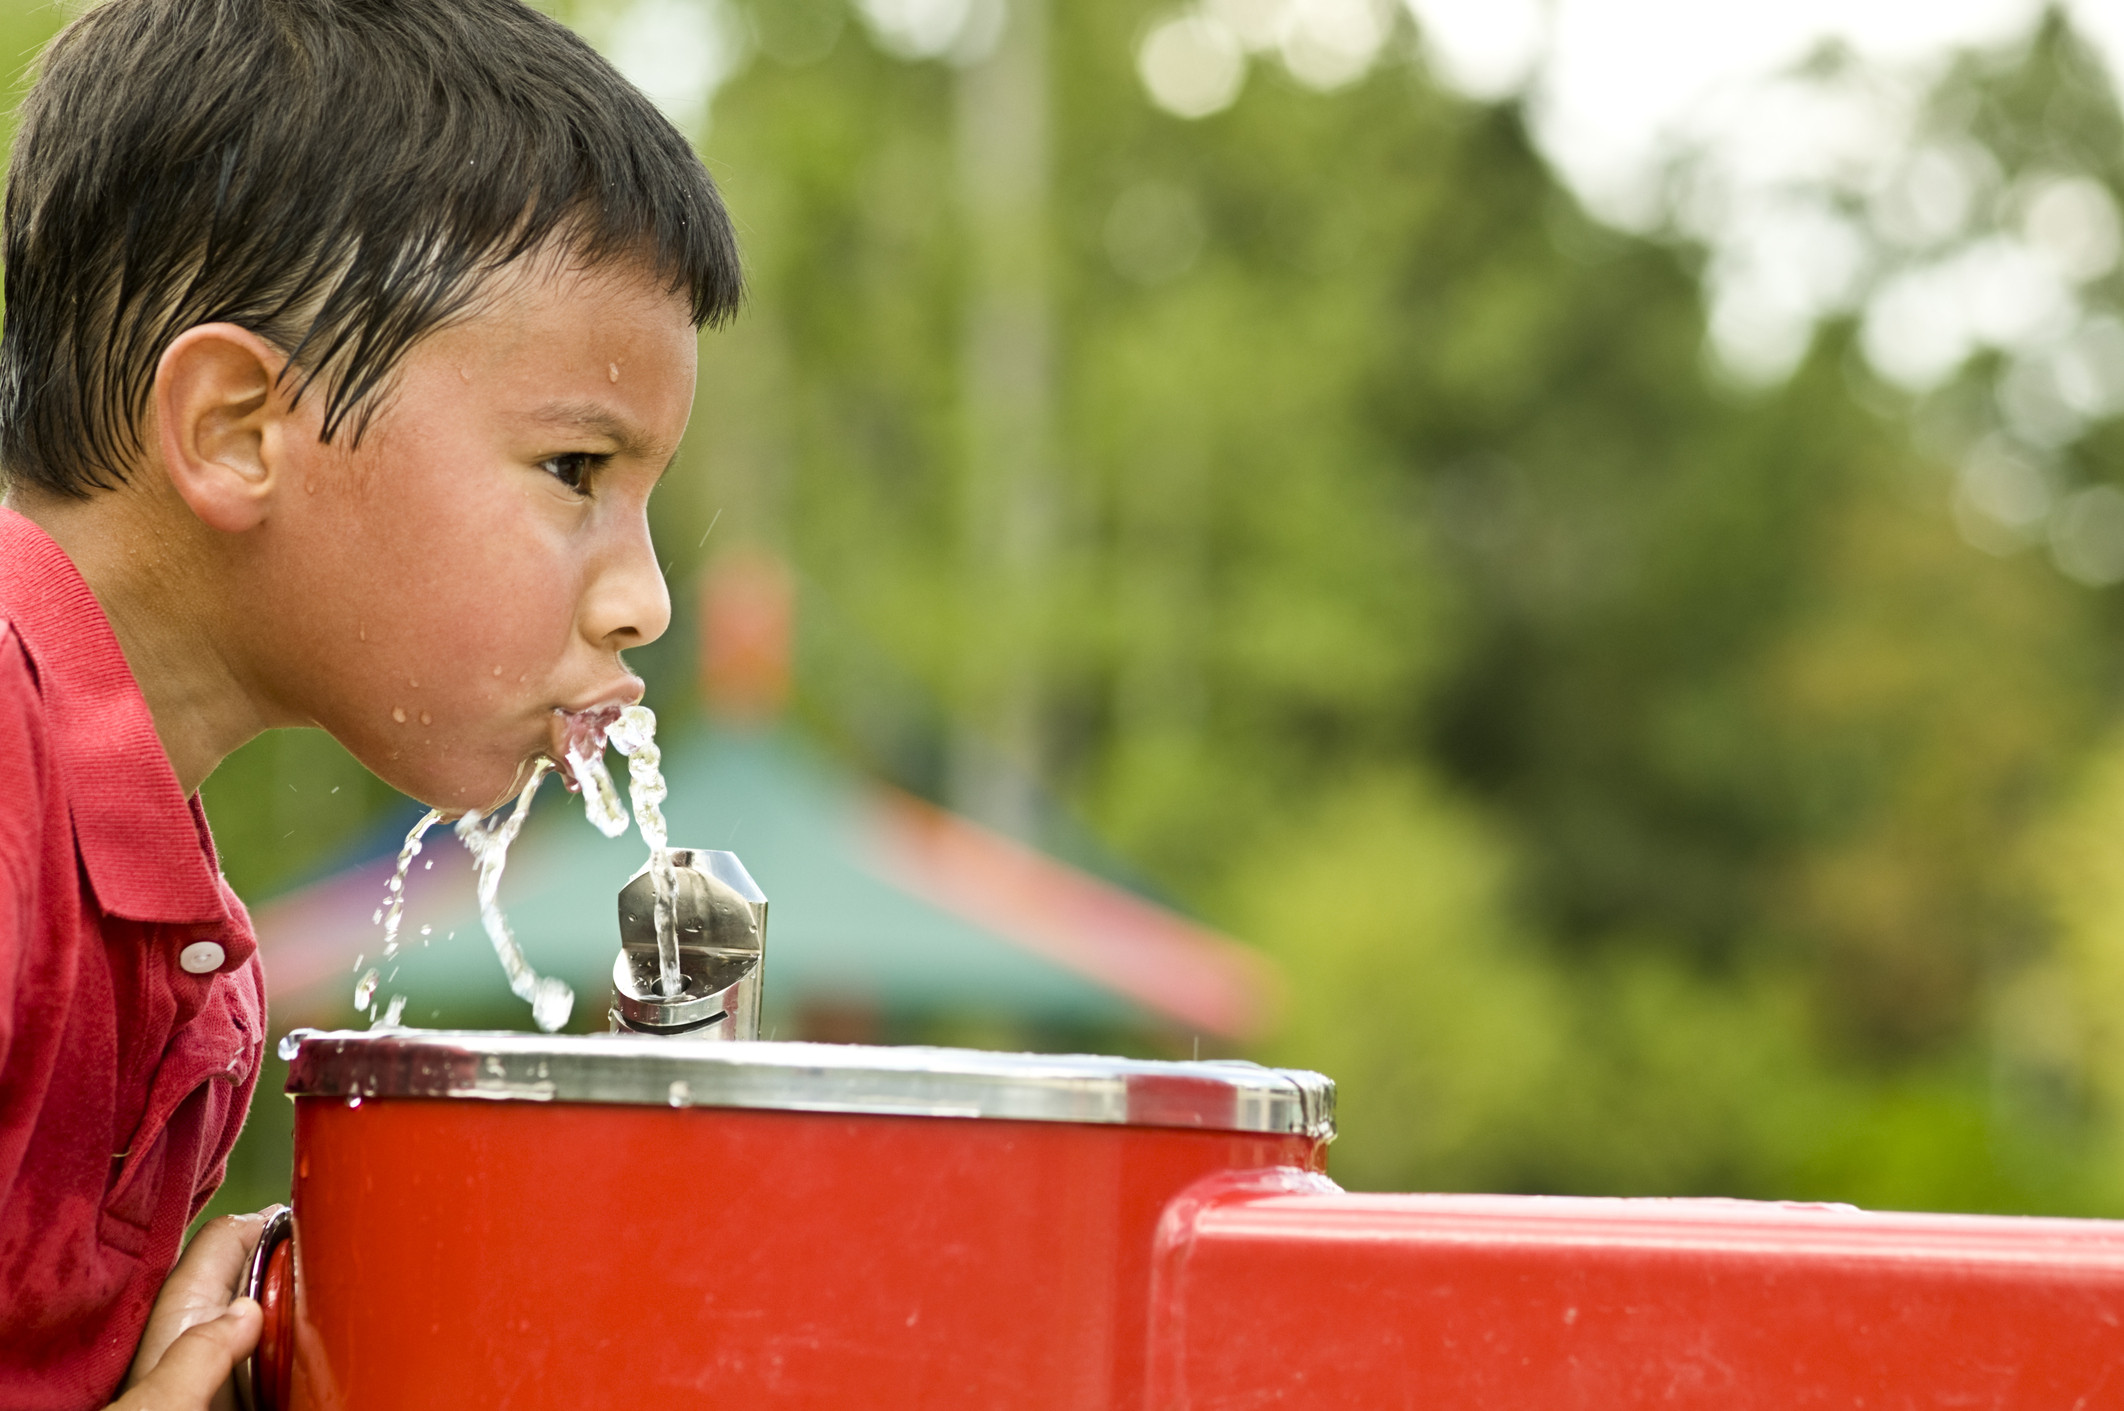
[(275, 1358), (464, 1254), (1283, 1293)]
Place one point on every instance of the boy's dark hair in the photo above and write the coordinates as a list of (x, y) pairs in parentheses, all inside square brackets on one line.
[(338, 176)]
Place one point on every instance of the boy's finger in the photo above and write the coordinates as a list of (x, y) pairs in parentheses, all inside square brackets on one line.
[(218, 1253), (198, 1289), (197, 1363)]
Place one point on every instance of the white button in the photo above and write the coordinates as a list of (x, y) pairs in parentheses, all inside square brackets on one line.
[(201, 958)]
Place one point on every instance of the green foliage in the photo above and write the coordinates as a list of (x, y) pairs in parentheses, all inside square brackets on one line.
[(1642, 785), (1632, 775)]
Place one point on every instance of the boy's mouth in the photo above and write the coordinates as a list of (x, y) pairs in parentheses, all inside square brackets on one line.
[(581, 733)]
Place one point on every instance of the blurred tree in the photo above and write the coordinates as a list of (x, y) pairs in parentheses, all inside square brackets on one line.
[(1385, 474), (1645, 783)]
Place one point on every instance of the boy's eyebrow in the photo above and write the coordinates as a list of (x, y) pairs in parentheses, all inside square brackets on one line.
[(598, 420)]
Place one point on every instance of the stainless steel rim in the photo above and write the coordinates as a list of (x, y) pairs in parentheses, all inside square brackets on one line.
[(279, 1226), (916, 1082)]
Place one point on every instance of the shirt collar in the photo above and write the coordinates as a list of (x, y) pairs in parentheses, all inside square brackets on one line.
[(144, 845)]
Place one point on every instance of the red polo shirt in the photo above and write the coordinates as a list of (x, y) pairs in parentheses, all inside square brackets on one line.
[(124, 1075)]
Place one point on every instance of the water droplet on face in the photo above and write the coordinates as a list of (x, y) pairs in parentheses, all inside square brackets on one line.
[(612, 372), (398, 713), (497, 671), (426, 719)]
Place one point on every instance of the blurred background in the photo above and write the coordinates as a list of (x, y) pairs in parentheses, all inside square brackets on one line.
[(1564, 553)]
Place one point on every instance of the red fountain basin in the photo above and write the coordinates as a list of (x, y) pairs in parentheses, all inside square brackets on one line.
[(502, 1220)]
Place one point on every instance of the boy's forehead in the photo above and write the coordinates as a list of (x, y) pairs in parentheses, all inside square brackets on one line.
[(610, 324), (554, 282)]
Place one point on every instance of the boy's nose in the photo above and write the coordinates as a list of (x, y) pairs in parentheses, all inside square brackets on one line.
[(628, 602)]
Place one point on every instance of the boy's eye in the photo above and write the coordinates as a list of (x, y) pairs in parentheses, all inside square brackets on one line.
[(572, 469)]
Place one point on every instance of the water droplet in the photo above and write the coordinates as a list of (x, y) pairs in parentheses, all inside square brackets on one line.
[(358, 959), (612, 372), (427, 930), (426, 719), (290, 1044), (354, 1101), (398, 713), (365, 989), (430, 866), (681, 1093)]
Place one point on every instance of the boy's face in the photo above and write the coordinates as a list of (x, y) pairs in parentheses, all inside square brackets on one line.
[(432, 596)]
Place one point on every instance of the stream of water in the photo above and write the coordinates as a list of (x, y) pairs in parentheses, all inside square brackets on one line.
[(630, 730), (488, 840)]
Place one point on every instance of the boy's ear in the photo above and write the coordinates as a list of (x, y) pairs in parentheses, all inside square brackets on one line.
[(218, 423)]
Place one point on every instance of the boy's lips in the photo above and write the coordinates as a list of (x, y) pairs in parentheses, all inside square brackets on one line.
[(581, 729)]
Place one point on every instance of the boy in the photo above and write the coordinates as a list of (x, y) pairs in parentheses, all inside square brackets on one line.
[(344, 342)]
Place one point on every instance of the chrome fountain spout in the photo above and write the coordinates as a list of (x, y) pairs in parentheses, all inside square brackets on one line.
[(722, 932)]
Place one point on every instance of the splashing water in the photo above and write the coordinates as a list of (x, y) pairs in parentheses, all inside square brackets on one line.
[(395, 899), (600, 799), (390, 914), (583, 751), (632, 731), (488, 841), (634, 735)]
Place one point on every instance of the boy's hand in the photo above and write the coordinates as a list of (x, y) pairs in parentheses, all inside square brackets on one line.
[(199, 1329)]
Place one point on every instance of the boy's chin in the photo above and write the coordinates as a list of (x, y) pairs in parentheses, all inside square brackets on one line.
[(453, 791)]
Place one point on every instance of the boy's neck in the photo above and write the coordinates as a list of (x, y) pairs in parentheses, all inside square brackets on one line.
[(139, 552)]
